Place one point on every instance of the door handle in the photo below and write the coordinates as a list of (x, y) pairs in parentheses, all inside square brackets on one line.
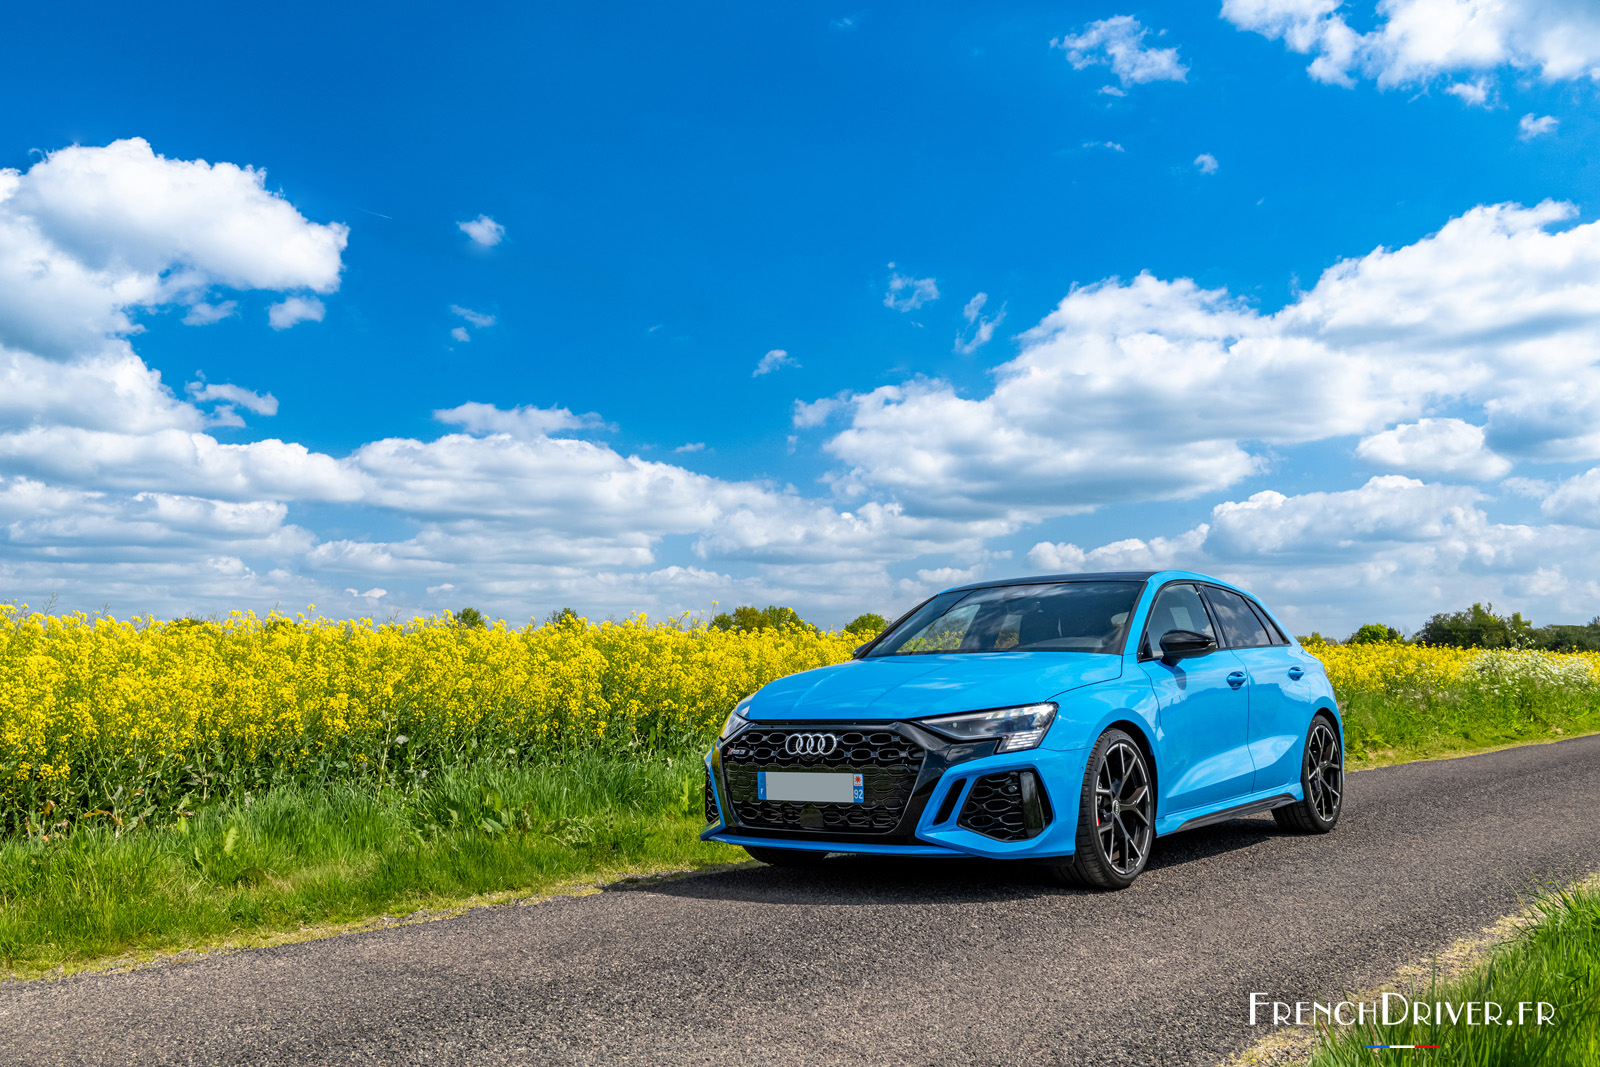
[(1237, 678), (1296, 673)]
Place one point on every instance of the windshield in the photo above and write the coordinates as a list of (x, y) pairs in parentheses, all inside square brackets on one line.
[(1063, 617)]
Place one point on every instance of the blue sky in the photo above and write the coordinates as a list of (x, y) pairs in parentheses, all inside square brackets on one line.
[(1145, 197)]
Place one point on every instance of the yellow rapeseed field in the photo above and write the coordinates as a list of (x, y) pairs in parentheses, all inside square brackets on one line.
[(101, 714), (91, 705), (1428, 669)]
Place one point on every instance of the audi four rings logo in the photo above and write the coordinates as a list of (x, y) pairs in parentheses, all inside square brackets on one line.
[(811, 744)]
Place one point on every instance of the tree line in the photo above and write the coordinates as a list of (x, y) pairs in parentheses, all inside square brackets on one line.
[(745, 618), (1479, 627)]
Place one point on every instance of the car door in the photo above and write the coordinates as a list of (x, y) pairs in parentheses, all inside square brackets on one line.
[(1280, 707), (1203, 708)]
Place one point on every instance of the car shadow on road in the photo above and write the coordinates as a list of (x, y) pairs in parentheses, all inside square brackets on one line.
[(844, 879)]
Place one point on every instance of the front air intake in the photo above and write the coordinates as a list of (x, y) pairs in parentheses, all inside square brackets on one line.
[(1007, 807), (711, 801)]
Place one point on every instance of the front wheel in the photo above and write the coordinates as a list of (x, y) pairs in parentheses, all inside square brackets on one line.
[(1116, 816), (1321, 778), (786, 857)]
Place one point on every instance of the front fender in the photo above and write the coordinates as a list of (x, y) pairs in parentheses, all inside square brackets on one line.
[(1084, 714)]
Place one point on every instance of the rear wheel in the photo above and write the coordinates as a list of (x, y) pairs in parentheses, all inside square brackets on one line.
[(1322, 779), (786, 857), (1116, 816)]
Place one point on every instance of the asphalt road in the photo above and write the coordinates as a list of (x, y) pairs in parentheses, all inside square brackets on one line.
[(867, 962)]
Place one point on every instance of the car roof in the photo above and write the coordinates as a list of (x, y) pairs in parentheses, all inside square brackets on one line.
[(1051, 579)]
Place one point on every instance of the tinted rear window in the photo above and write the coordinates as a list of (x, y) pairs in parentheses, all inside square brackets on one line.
[(1241, 628)]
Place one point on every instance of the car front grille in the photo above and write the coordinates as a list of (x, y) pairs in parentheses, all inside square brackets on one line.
[(711, 800), (998, 806), (887, 762)]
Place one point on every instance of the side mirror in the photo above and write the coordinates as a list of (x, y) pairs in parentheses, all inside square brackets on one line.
[(1183, 644)]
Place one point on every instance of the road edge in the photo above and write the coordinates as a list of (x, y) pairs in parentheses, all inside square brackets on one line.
[(1294, 1045)]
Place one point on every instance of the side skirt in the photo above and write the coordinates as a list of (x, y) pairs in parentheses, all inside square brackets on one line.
[(1251, 808)]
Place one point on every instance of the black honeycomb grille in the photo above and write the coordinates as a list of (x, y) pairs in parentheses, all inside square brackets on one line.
[(888, 765), (711, 800), (998, 805)]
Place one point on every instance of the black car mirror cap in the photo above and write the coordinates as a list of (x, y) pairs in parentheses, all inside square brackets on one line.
[(1184, 644)]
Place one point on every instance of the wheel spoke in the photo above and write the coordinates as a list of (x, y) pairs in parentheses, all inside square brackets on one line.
[(1123, 802)]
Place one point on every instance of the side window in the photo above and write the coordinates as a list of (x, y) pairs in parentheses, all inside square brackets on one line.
[(1177, 607), (1275, 634), (1240, 626)]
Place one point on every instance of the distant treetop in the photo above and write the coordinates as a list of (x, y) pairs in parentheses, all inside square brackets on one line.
[(748, 618), (869, 625), (1375, 633)]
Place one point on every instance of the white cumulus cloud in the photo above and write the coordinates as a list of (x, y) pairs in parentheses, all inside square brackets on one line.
[(1435, 446), (1474, 93), (1415, 41), (206, 392), (483, 230), (907, 293), (1099, 405), (1119, 43), (1206, 162), (774, 360), (1394, 550), (89, 233), (526, 422), (295, 309), (1531, 126), (204, 314)]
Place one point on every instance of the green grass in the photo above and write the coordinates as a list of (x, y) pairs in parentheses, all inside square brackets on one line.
[(1381, 729), (299, 855), (1555, 960)]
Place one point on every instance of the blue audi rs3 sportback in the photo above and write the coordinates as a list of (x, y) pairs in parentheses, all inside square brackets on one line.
[(1067, 719)]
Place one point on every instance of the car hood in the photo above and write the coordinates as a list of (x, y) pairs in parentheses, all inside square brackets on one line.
[(912, 687)]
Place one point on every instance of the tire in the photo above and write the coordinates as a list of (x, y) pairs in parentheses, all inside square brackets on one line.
[(786, 857), (1321, 779), (1116, 816)]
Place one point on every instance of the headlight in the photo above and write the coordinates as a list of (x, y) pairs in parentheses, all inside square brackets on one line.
[(736, 720), (1017, 728)]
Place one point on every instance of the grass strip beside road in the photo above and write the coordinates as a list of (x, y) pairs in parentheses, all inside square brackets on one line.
[(1554, 958), (300, 856), (1407, 702)]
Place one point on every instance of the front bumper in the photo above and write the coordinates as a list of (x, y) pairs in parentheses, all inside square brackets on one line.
[(930, 824)]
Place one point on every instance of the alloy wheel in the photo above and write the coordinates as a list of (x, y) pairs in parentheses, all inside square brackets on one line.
[(1124, 807), (1324, 771)]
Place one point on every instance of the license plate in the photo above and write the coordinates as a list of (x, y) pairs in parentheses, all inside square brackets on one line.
[(810, 786)]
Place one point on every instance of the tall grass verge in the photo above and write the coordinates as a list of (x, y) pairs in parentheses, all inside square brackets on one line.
[(1555, 960), (1404, 702), (303, 855)]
